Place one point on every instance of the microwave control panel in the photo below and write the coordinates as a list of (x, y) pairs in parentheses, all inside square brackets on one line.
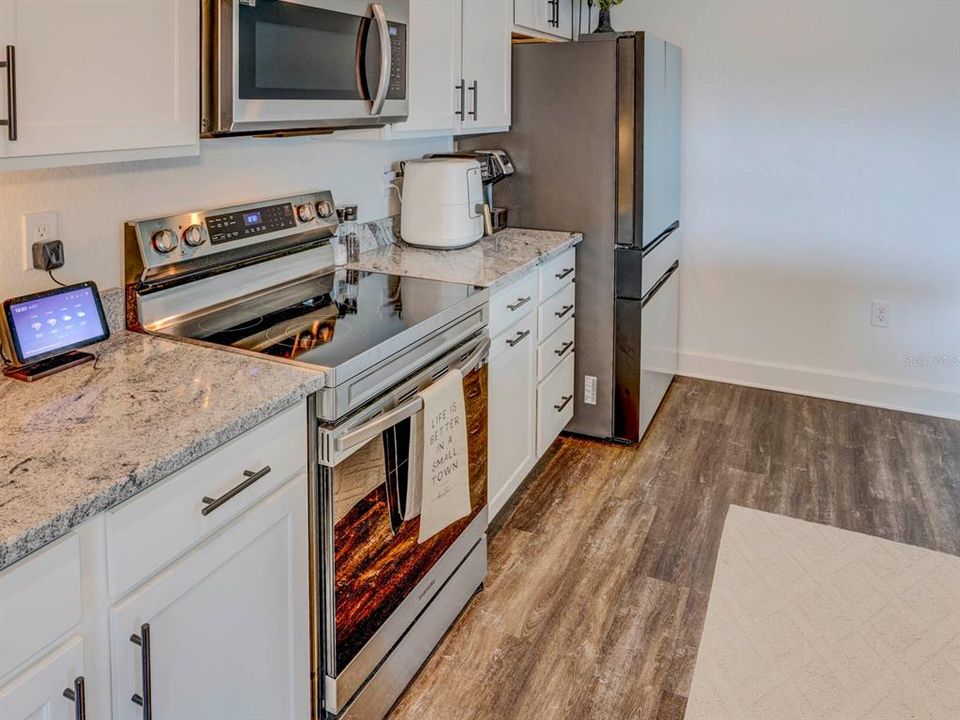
[(397, 89)]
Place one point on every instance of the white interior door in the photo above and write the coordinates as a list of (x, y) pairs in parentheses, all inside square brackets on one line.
[(486, 63), (229, 624), (101, 75)]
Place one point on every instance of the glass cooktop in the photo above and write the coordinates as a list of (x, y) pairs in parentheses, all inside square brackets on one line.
[(328, 319)]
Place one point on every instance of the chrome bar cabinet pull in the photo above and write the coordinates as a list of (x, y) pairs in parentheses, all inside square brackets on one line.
[(476, 100), (563, 348), (251, 477), (144, 700), (563, 273), (519, 303), (461, 87), (78, 696), (10, 63), (564, 310), (520, 336), (566, 401)]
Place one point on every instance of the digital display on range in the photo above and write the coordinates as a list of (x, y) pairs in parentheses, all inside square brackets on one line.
[(54, 322), (249, 223)]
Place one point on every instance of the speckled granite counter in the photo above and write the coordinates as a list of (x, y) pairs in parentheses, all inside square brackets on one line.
[(77, 443), (493, 261)]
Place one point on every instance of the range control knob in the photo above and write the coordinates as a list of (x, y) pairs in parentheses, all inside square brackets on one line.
[(305, 212), (324, 209), (193, 236), (165, 241)]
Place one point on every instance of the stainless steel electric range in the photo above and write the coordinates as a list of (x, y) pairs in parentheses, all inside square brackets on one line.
[(259, 278)]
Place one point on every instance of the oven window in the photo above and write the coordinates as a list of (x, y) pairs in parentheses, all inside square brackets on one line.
[(289, 51)]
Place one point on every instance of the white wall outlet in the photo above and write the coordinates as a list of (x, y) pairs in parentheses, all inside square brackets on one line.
[(38, 227), (589, 390), (389, 175), (880, 313)]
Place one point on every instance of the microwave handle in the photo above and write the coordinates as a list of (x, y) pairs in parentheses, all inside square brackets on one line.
[(386, 59)]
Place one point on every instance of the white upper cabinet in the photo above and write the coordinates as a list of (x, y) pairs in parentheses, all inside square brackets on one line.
[(98, 80), (486, 64), (553, 18), (458, 68)]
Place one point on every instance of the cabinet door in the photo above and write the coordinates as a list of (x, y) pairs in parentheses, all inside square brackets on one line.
[(100, 75), (533, 14), (433, 74), (512, 421), (564, 26), (229, 626), (486, 63), (38, 692)]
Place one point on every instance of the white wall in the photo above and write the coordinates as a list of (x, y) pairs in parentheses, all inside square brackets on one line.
[(821, 170), (94, 201)]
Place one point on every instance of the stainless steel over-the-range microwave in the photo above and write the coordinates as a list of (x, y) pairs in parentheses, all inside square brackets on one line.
[(288, 66)]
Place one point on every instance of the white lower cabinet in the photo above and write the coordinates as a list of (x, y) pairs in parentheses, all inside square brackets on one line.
[(512, 419), (531, 375), (224, 632), (39, 692)]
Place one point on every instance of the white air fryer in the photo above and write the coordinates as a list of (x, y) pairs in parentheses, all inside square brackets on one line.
[(442, 203)]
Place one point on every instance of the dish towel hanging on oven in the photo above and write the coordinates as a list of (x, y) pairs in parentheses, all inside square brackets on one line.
[(446, 468)]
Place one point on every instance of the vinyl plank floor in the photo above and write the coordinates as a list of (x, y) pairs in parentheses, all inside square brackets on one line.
[(600, 566)]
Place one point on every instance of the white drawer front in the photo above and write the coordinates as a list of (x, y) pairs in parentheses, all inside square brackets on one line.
[(554, 404), (558, 272), (555, 349), (556, 310), (509, 304), (158, 525), (521, 333), (39, 601), (38, 693)]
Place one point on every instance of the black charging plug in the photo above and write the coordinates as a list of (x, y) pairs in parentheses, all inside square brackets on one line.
[(48, 255)]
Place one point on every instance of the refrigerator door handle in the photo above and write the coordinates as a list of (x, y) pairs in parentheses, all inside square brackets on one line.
[(660, 238), (659, 284)]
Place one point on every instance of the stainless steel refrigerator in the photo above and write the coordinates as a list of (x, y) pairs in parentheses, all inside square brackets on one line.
[(595, 142)]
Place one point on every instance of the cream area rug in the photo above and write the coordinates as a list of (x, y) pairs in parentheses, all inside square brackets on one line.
[(811, 622)]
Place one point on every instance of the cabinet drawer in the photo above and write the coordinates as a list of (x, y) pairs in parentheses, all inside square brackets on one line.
[(516, 337), (554, 404), (555, 311), (509, 304), (555, 349), (556, 273), (39, 601), (159, 524)]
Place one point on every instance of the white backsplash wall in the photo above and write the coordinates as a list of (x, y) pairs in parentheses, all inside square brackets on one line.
[(820, 171), (94, 200)]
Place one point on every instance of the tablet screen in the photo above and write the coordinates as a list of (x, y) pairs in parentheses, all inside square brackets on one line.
[(49, 323)]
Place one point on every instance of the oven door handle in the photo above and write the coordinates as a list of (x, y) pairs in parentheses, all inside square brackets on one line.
[(386, 59), (376, 426)]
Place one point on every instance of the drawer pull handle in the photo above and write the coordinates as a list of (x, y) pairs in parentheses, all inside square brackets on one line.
[(563, 348), (563, 273), (566, 401), (78, 696), (564, 311), (251, 477), (145, 700), (520, 336), (520, 303)]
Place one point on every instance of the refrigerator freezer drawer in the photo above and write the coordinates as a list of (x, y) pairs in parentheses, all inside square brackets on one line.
[(657, 261), (658, 344)]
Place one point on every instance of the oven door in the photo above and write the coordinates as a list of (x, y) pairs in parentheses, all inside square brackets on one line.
[(376, 578), (275, 65)]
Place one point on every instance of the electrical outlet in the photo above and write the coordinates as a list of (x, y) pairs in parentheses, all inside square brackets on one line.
[(389, 175), (880, 313), (38, 228)]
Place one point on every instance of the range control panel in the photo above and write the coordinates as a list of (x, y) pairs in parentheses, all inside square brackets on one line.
[(183, 238), (247, 223)]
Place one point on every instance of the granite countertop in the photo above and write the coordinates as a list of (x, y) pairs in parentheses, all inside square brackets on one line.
[(77, 443), (493, 261)]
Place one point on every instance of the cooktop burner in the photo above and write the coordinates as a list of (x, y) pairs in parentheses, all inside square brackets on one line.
[(325, 320)]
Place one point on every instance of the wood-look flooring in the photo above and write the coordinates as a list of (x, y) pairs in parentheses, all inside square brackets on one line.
[(600, 567)]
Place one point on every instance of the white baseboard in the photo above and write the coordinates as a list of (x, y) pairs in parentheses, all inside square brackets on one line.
[(937, 400)]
